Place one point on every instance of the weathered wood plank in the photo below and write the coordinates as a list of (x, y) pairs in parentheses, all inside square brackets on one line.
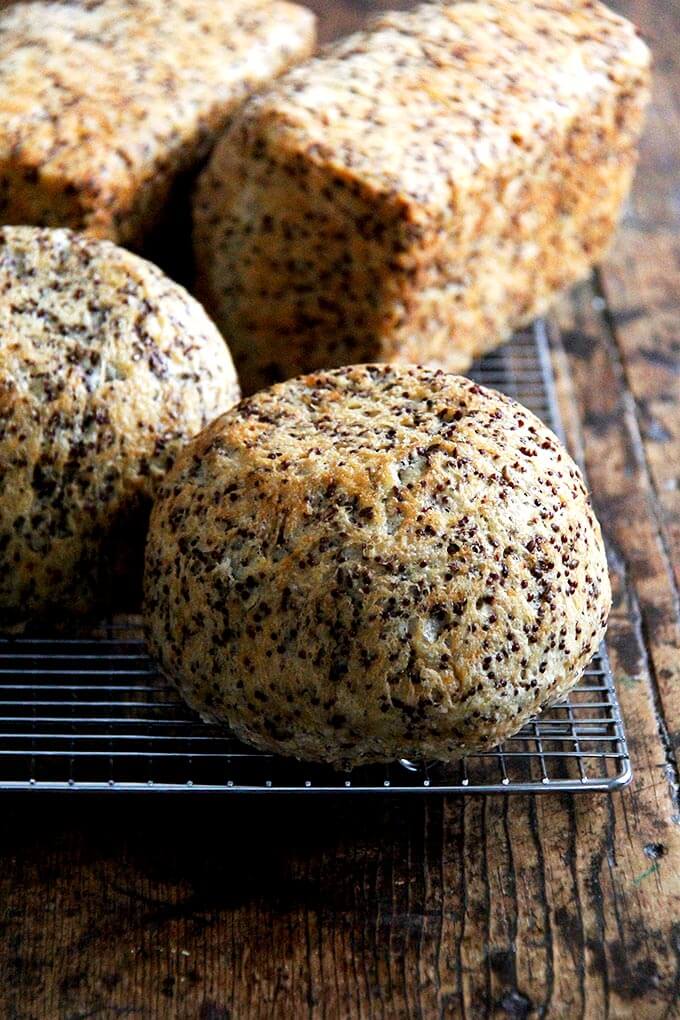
[(335, 920), (646, 816), (641, 284)]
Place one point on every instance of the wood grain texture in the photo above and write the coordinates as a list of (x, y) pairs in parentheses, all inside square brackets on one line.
[(514, 907)]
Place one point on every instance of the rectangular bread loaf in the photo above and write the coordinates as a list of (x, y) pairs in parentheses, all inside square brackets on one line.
[(103, 103), (420, 189)]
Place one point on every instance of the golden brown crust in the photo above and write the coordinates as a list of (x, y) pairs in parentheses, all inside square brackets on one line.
[(103, 104), (106, 369), (422, 188), (372, 563)]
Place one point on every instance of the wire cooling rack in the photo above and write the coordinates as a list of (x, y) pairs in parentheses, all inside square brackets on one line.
[(89, 712)]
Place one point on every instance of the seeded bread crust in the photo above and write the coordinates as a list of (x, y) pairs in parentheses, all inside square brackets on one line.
[(374, 562), (421, 189), (106, 369), (103, 103)]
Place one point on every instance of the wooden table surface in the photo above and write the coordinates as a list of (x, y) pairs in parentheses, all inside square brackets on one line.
[(510, 907)]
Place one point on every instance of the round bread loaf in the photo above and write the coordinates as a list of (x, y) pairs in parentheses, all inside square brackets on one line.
[(106, 369), (372, 563)]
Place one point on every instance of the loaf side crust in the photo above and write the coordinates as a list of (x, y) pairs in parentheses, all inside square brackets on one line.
[(103, 105), (422, 188)]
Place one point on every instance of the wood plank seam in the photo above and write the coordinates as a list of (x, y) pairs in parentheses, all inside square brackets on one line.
[(619, 556), (654, 505), (638, 446)]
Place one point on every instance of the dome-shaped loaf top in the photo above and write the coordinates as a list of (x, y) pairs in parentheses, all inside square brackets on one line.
[(107, 368), (375, 562)]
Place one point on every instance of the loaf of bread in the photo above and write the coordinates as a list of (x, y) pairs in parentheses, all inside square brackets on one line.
[(422, 188), (106, 369), (103, 104), (374, 562)]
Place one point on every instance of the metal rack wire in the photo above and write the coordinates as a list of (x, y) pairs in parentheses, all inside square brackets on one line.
[(88, 712)]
